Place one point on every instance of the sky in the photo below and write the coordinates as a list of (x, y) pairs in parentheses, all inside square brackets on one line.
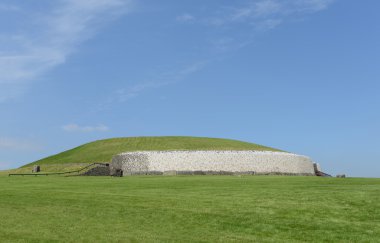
[(299, 75)]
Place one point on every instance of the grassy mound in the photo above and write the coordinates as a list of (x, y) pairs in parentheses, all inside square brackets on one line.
[(104, 150)]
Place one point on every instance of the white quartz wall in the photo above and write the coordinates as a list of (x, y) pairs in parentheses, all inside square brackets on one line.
[(232, 161)]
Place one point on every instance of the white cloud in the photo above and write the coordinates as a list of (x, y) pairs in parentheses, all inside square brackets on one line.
[(257, 9), (160, 79), (125, 94), (185, 18), (267, 24), (264, 13), (265, 8), (18, 144), (269, 8), (312, 5), (8, 7), (239, 23), (254, 15), (77, 128), (225, 44), (51, 37)]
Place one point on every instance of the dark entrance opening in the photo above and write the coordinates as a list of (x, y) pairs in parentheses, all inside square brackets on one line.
[(119, 173)]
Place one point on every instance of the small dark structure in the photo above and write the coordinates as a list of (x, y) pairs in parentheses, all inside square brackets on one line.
[(36, 169), (99, 170), (318, 171), (341, 176), (118, 173)]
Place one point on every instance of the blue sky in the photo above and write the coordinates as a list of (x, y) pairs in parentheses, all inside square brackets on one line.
[(299, 75)]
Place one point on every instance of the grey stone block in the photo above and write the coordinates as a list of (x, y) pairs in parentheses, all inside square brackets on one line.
[(36, 169)]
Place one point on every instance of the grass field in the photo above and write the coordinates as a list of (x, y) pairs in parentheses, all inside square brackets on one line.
[(104, 150), (189, 209)]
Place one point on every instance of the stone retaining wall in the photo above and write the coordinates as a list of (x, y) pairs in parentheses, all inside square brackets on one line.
[(97, 171), (211, 162)]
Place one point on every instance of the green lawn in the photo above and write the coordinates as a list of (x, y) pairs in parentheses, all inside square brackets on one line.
[(189, 209), (104, 150)]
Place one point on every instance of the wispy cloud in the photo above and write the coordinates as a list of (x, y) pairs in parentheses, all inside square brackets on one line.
[(263, 13), (125, 94), (51, 37), (159, 80), (256, 9), (312, 5), (8, 7), (250, 17), (18, 144), (267, 24), (185, 18), (78, 128), (238, 23)]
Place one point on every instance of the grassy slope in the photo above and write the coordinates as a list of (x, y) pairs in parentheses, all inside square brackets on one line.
[(46, 168), (189, 209), (104, 150)]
